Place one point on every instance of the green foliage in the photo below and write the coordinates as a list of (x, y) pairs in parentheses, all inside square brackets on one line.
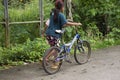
[(104, 13), (20, 33), (1, 11), (97, 16), (48, 5), (30, 51), (99, 44), (1, 26), (2, 35), (23, 10), (33, 48), (18, 3), (115, 34), (29, 12)]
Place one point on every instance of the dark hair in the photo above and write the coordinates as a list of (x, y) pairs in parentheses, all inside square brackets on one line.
[(58, 6)]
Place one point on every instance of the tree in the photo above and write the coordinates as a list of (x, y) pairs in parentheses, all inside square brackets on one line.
[(102, 13)]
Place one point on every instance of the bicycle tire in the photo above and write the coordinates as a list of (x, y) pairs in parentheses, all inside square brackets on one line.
[(45, 63), (82, 52)]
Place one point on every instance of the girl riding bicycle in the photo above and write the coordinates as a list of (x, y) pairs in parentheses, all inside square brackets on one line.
[(56, 22)]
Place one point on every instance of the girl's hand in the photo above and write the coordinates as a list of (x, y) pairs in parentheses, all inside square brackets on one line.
[(72, 24), (78, 24)]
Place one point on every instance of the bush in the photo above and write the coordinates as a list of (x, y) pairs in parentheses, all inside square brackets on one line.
[(30, 51)]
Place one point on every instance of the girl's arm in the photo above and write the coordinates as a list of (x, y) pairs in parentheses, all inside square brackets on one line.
[(72, 24)]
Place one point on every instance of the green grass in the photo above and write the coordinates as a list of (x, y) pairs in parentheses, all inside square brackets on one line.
[(99, 44), (30, 12), (30, 51)]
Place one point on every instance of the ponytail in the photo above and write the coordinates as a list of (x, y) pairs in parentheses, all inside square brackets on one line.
[(55, 12)]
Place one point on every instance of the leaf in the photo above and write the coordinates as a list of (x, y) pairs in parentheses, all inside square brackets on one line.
[(93, 12), (69, 29)]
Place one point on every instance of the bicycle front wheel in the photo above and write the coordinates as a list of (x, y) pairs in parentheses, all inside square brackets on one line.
[(50, 65), (82, 52)]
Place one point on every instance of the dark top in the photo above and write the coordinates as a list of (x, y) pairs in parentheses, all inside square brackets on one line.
[(56, 26)]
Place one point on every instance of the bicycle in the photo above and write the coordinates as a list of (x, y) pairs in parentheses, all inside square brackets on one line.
[(55, 54)]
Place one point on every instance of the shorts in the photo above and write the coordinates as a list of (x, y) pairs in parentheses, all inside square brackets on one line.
[(53, 41)]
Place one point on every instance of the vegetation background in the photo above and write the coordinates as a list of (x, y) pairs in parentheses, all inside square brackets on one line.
[(100, 19)]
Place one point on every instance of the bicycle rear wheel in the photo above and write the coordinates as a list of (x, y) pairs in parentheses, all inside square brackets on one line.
[(82, 52), (50, 65)]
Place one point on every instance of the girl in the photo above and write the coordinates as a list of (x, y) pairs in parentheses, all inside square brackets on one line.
[(57, 22)]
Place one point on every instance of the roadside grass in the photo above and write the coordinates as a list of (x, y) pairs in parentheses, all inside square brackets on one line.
[(30, 51), (99, 44), (20, 54)]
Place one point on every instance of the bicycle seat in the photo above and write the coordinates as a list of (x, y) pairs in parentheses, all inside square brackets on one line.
[(60, 31)]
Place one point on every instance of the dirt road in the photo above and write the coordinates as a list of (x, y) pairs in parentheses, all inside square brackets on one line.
[(104, 65)]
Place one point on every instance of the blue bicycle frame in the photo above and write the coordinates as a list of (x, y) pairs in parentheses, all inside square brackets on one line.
[(69, 45), (66, 48)]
